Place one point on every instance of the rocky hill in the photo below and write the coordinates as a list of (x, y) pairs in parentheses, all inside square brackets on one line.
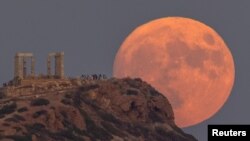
[(100, 110)]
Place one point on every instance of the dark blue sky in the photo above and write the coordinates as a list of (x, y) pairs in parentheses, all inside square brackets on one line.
[(91, 31)]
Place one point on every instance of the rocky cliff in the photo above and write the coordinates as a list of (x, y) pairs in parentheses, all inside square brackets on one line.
[(101, 110)]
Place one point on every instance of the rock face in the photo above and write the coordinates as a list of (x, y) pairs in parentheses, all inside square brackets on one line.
[(106, 110)]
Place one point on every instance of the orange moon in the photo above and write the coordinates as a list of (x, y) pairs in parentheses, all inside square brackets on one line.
[(185, 60)]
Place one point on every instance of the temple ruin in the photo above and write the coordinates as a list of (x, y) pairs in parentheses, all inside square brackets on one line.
[(21, 65), (59, 65), (27, 84), (22, 72)]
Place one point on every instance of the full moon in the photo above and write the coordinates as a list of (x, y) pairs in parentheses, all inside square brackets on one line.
[(185, 60)]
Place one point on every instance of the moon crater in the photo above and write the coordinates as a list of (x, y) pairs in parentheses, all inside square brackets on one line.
[(209, 39)]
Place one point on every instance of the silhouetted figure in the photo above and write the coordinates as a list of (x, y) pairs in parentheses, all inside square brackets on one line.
[(83, 77), (99, 77), (94, 76), (104, 76)]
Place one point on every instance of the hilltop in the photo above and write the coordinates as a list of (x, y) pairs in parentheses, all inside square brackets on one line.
[(86, 110)]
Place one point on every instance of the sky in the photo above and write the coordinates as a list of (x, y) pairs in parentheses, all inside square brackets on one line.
[(90, 33)]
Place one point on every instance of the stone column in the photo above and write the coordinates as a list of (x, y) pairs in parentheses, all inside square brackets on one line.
[(59, 65), (24, 67), (18, 66), (49, 66), (32, 66)]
